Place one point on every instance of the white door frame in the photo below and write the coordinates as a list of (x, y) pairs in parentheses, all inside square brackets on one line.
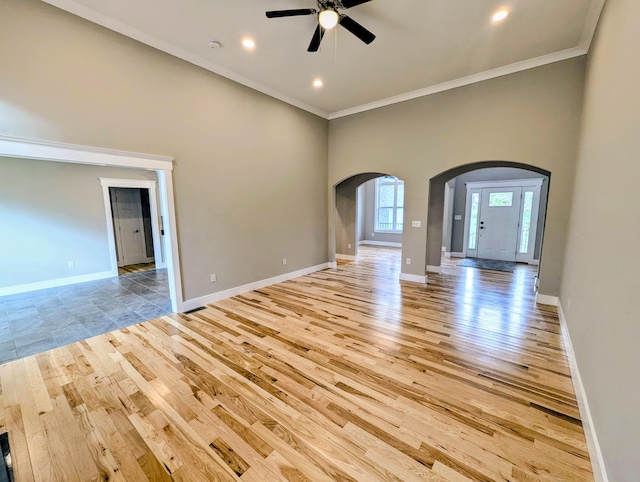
[(20, 148), (155, 218), (535, 183)]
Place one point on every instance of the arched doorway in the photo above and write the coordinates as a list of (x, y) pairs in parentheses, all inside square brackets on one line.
[(437, 190), (352, 206)]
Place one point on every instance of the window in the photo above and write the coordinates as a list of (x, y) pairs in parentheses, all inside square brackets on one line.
[(500, 199), (525, 224), (473, 220), (389, 204)]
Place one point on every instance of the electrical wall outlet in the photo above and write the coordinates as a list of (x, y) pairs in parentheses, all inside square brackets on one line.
[(284, 261), (408, 260), (213, 278), (349, 245)]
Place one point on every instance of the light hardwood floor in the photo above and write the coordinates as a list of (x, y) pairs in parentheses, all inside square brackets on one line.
[(136, 268), (343, 374)]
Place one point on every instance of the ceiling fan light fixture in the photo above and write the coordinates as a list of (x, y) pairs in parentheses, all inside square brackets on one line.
[(500, 15), (328, 18)]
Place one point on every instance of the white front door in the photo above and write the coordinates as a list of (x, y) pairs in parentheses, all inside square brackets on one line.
[(129, 226), (498, 223)]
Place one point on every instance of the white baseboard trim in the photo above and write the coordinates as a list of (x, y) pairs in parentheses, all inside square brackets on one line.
[(456, 254), (434, 269), (447, 254), (413, 278), (347, 257), (595, 454), (534, 262), (547, 300), (55, 283), (333, 265), (256, 285), (389, 244)]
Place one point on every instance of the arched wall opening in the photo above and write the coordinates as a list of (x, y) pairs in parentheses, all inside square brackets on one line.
[(346, 214), (437, 196)]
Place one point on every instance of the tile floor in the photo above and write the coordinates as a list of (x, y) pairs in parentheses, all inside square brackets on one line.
[(41, 320)]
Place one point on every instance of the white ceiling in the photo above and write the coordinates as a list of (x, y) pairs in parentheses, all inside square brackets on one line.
[(422, 46)]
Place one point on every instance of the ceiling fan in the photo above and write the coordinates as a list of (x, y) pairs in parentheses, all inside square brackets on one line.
[(328, 17)]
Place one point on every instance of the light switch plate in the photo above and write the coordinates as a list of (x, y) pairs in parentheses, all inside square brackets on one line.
[(416, 224)]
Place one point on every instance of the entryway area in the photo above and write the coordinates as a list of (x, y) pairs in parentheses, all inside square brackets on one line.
[(493, 217)]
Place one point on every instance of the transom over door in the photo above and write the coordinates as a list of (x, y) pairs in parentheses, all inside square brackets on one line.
[(498, 223)]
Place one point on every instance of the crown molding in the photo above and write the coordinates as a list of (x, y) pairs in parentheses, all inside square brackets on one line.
[(124, 29), (103, 20), (463, 81)]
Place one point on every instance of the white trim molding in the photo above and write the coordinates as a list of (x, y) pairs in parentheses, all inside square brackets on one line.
[(55, 283), (413, 278), (457, 254), (256, 285), (15, 147), (77, 8), (434, 269), (59, 152), (595, 453), (463, 81), (547, 300)]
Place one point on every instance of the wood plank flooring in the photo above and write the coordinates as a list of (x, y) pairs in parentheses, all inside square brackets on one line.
[(136, 268), (339, 375)]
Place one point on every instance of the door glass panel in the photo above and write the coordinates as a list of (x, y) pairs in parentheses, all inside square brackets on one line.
[(526, 222), (473, 220), (500, 199)]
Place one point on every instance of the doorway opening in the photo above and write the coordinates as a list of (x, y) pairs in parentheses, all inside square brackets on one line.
[(492, 210), (132, 229), (369, 211)]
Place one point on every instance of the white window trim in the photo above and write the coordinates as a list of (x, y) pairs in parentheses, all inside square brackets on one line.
[(395, 206), (20, 148)]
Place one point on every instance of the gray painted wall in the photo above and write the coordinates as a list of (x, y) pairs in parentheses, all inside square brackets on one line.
[(601, 277), (530, 117), (52, 213), (493, 174), (250, 173)]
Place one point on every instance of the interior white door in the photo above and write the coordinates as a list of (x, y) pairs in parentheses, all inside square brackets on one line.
[(499, 219), (129, 227)]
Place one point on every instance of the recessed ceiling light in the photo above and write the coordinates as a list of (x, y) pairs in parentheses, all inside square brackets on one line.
[(248, 43), (317, 83), (500, 15)]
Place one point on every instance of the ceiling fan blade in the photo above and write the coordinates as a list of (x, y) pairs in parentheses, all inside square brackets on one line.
[(356, 29), (353, 3), (290, 13), (316, 39)]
